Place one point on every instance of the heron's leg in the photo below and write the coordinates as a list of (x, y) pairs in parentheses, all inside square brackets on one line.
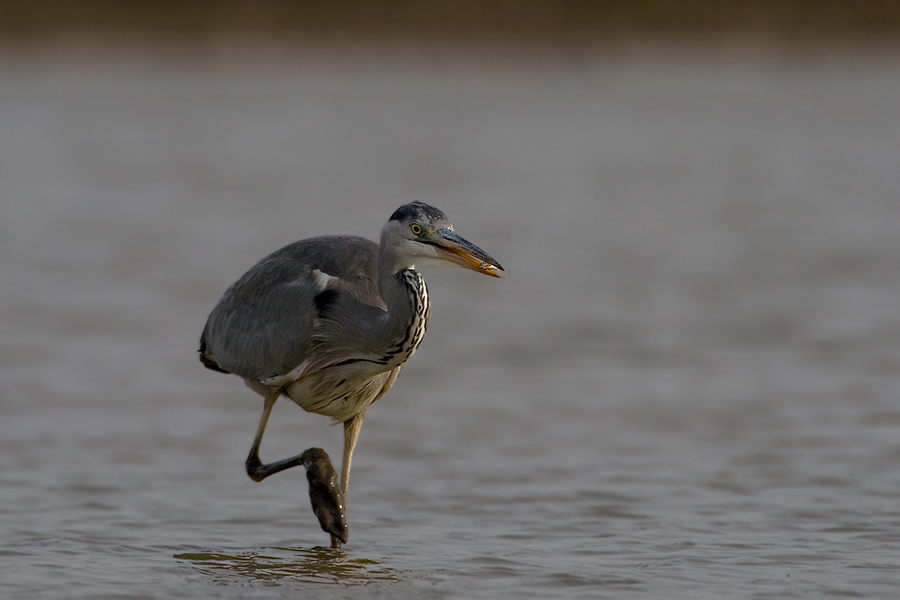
[(351, 434), (255, 467)]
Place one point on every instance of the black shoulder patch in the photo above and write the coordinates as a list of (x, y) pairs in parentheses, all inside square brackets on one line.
[(324, 299), (417, 209)]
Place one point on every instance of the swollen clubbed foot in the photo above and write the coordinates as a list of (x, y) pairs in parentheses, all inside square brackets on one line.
[(325, 494)]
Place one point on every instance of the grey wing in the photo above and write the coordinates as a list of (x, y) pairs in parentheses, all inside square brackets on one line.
[(262, 327)]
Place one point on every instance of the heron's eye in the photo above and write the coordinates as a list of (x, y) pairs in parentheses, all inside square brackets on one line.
[(417, 229)]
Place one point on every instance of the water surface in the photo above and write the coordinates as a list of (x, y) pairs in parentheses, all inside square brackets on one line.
[(687, 387)]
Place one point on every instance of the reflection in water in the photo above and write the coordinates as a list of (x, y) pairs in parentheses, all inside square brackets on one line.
[(317, 565)]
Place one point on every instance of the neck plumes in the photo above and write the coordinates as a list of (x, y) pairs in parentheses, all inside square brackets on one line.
[(406, 298)]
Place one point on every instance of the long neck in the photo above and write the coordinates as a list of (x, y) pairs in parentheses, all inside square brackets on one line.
[(406, 298)]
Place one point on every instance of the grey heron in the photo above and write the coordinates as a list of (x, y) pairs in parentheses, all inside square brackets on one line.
[(330, 321)]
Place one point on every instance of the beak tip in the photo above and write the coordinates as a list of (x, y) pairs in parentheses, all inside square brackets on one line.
[(494, 271), (466, 254)]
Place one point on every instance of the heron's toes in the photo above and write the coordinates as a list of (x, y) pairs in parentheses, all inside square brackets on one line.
[(325, 494)]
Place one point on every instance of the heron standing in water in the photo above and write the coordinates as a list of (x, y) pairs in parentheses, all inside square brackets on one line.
[(329, 322)]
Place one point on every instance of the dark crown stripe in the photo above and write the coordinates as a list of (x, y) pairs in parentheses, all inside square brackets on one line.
[(417, 209)]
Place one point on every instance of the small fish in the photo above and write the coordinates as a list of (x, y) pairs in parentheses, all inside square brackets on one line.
[(325, 494)]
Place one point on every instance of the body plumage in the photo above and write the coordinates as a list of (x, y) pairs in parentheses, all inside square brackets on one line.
[(330, 321)]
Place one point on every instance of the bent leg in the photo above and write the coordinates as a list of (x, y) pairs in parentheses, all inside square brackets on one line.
[(327, 500), (255, 467)]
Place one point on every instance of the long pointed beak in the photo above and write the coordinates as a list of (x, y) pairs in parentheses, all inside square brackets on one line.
[(464, 253)]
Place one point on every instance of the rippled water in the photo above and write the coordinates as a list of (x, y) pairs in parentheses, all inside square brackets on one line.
[(687, 387)]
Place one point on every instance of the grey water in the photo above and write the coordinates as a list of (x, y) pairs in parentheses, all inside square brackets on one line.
[(687, 386)]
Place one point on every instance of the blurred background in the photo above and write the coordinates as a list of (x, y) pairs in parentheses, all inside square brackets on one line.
[(458, 20), (686, 386)]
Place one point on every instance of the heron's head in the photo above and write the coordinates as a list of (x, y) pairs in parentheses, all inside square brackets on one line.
[(419, 234)]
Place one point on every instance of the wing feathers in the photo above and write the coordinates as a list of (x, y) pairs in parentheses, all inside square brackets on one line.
[(262, 328)]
